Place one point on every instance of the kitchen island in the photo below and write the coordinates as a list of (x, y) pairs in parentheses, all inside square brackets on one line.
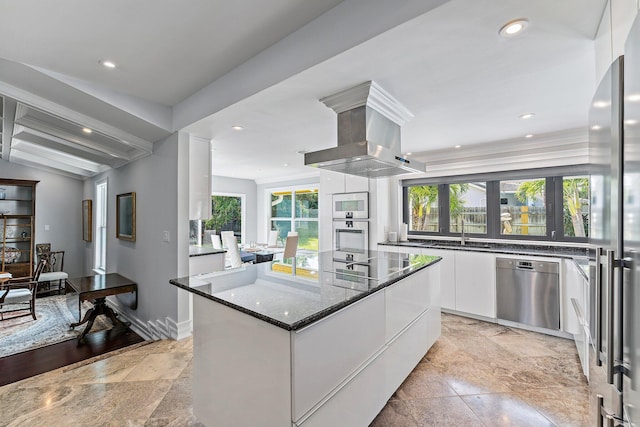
[(272, 348)]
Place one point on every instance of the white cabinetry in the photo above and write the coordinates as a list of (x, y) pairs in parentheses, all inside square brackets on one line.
[(469, 286), (575, 313), (447, 276), (475, 277), (199, 178), (573, 288), (340, 370), (335, 346), (354, 184)]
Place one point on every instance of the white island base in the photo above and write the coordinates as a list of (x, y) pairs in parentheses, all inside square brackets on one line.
[(338, 371)]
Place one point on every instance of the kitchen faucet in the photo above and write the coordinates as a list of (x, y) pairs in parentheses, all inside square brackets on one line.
[(462, 233)]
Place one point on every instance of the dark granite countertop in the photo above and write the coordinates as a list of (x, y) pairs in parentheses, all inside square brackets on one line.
[(292, 298), (580, 255), (497, 247), (204, 250)]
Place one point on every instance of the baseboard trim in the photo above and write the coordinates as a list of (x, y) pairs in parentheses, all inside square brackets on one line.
[(153, 329)]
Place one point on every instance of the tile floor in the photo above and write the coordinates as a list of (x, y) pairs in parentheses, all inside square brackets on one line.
[(477, 374)]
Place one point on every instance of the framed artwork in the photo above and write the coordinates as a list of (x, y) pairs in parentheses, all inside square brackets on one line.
[(126, 216), (87, 215)]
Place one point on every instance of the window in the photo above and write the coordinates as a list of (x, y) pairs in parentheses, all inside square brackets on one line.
[(100, 261), (423, 203), (227, 214), (523, 210), (507, 205), (575, 206), (296, 210), (468, 203)]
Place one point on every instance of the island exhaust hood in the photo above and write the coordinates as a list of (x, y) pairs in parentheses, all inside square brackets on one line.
[(369, 121)]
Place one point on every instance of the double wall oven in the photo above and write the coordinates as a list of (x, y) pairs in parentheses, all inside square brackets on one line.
[(351, 222)]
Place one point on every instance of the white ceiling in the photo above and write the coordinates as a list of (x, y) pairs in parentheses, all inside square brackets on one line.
[(206, 65)]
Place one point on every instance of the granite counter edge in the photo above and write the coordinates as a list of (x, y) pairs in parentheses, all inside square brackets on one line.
[(180, 283)]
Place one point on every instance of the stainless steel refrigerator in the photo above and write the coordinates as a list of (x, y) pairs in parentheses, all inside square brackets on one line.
[(614, 320)]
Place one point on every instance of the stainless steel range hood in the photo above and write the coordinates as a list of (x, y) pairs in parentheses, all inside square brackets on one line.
[(369, 121)]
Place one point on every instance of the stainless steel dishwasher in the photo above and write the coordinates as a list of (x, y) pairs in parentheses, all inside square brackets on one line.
[(528, 292)]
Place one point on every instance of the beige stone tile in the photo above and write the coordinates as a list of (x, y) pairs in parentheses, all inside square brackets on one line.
[(505, 410), (173, 422), (564, 406), (155, 366), (18, 402), (99, 404), (424, 383), (113, 369), (177, 403), (443, 411), (523, 345), (395, 414)]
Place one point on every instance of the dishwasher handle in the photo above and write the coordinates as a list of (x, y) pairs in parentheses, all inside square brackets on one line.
[(524, 265)]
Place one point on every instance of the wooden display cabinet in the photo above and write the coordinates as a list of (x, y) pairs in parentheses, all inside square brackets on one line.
[(17, 226)]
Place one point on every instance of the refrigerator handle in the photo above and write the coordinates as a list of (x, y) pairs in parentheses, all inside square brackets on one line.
[(610, 313), (597, 306)]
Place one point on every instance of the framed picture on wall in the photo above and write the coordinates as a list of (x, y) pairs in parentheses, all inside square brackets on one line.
[(126, 216), (87, 212)]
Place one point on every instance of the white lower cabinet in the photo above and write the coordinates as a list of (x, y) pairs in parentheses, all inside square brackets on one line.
[(475, 277), (343, 383), (335, 347), (354, 403), (573, 287), (447, 276)]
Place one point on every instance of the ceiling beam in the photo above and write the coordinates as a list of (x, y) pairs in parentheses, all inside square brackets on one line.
[(9, 113)]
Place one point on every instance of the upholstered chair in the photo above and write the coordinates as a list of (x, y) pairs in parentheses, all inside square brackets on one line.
[(18, 296)]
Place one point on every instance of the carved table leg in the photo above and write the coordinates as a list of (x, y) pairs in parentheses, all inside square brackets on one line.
[(100, 307)]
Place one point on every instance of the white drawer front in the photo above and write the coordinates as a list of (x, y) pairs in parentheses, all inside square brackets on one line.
[(405, 301), (404, 353), (357, 403), (327, 352)]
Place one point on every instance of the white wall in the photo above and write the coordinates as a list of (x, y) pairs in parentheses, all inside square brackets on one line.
[(248, 187), (148, 261), (58, 205)]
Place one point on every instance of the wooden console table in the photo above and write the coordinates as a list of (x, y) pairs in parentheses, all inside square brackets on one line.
[(96, 289)]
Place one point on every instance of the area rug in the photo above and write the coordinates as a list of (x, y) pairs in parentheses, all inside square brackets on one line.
[(51, 326)]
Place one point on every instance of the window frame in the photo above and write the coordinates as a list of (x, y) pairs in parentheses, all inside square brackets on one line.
[(102, 219), (243, 211), (292, 219), (553, 201)]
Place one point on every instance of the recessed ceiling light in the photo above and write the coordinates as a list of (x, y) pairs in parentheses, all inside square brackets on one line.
[(634, 98), (237, 127), (87, 131), (630, 122), (286, 165), (529, 135), (408, 154), (596, 127), (526, 115), (458, 146), (107, 64), (514, 27)]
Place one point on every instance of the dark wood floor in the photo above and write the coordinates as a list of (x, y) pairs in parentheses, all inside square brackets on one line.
[(33, 362)]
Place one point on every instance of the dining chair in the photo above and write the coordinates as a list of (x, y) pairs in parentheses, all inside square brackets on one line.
[(290, 247), (19, 296), (225, 235), (233, 251), (216, 242), (50, 269), (272, 241)]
